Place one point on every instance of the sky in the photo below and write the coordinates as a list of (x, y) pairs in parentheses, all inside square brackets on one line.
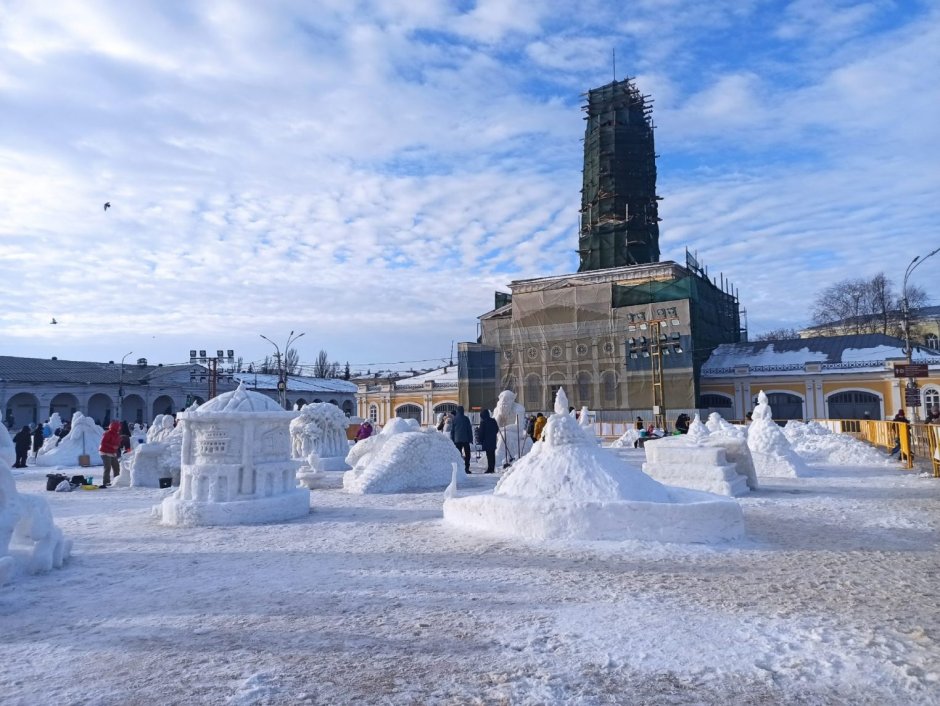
[(369, 173)]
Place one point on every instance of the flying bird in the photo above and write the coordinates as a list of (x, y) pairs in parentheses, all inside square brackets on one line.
[(107, 205), (53, 321)]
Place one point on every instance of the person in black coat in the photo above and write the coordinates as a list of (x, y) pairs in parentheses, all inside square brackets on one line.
[(21, 443), (38, 440), (461, 433), (488, 432)]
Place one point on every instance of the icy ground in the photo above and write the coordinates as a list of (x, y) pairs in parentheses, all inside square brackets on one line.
[(832, 599)]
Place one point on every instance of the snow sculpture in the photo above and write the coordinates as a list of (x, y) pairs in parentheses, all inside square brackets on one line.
[(569, 487), (318, 439), (26, 526), (697, 431), (236, 465), (717, 424), (512, 443), (83, 439), (627, 440), (773, 455), (401, 460)]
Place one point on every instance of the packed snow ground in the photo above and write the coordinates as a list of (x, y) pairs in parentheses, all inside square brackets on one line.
[(832, 598)]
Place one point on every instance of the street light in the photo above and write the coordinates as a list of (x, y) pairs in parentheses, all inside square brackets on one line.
[(281, 368), (906, 317), (121, 389)]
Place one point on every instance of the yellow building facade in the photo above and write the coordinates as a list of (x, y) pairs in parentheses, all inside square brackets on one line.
[(833, 377), (422, 397)]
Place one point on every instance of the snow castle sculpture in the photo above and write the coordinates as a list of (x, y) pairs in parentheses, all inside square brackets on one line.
[(26, 526), (236, 465), (773, 455), (698, 460), (569, 487), (318, 440)]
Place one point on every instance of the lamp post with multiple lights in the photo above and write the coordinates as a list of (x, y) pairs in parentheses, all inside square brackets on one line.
[(282, 366)]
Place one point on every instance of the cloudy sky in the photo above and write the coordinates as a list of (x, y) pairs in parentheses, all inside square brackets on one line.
[(369, 172)]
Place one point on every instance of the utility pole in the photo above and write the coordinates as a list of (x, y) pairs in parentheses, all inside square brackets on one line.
[(282, 366), (120, 411)]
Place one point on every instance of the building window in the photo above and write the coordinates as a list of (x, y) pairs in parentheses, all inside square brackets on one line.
[(608, 348), (373, 413), (584, 389), (610, 386), (931, 397), (556, 351), (933, 343), (715, 401), (582, 349), (532, 353), (533, 393), (409, 411)]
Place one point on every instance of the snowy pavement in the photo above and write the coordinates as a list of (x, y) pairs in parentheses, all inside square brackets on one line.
[(833, 598)]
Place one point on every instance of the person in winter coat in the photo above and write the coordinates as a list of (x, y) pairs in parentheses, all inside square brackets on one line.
[(682, 423), (902, 418), (488, 431), (365, 431), (530, 427), (109, 449), (38, 439), (540, 422), (21, 444), (461, 433)]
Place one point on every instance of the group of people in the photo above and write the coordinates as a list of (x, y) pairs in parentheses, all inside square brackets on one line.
[(461, 431)]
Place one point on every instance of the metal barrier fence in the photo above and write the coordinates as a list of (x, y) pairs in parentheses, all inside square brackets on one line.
[(913, 440)]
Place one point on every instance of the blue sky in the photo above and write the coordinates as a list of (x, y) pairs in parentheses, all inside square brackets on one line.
[(370, 172)]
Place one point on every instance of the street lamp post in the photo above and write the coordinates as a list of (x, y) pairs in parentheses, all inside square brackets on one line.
[(906, 316), (282, 366), (121, 388)]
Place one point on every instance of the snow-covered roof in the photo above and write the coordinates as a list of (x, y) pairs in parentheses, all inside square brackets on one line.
[(863, 351), (19, 369), (296, 383), (441, 375)]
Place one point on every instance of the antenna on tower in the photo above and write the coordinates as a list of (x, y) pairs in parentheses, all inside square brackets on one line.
[(451, 352), (613, 56)]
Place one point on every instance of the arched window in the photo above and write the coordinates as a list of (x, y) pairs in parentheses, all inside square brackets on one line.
[(584, 389), (932, 342), (409, 411), (445, 407), (347, 408), (609, 380), (533, 393), (784, 405), (854, 404), (931, 397), (373, 413)]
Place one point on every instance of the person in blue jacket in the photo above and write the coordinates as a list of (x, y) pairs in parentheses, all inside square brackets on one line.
[(461, 433)]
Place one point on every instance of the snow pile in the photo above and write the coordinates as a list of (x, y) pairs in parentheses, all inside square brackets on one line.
[(236, 465), (403, 461), (717, 424), (628, 439), (772, 453), (372, 444), (570, 488), (27, 531), (318, 440), (159, 457), (83, 439), (815, 443)]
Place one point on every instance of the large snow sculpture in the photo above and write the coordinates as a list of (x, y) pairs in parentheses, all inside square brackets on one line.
[(512, 442), (702, 461), (569, 487), (318, 439), (773, 455), (717, 425), (401, 458), (26, 527), (817, 444), (83, 440), (236, 465)]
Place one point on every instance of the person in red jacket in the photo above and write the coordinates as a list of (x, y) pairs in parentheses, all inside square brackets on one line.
[(110, 444)]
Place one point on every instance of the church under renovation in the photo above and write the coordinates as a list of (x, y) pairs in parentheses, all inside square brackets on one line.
[(626, 335)]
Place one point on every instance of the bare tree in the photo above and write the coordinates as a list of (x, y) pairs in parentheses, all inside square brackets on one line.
[(862, 305), (291, 361), (322, 366), (346, 372), (268, 366), (778, 334)]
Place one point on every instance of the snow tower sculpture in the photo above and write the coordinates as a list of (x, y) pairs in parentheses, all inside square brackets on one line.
[(318, 440)]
